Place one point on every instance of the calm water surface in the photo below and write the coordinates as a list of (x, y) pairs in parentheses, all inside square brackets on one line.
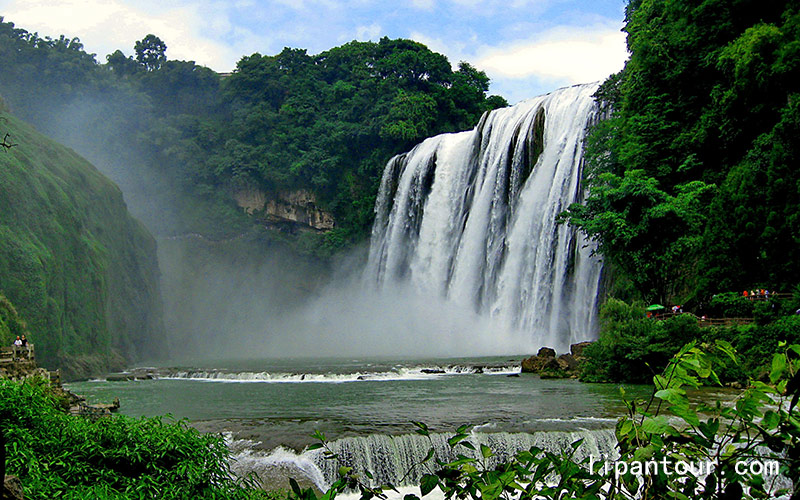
[(281, 402)]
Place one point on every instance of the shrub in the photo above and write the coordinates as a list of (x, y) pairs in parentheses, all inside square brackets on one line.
[(632, 347), (730, 305), (57, 455)]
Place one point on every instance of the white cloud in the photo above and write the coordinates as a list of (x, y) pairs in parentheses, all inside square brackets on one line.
[(455, 50), (564, 54), (103, 26), (371, 32), (561, 56)]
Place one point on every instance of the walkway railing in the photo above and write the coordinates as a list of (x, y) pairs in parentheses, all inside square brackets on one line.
[(17, 353), (707, 321)]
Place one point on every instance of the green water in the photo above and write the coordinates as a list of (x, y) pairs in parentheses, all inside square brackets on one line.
[(281, 402)]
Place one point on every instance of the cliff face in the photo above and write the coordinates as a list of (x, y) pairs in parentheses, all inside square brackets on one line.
[(80, 270), (298, 207)]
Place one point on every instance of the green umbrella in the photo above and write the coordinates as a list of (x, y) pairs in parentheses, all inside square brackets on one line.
[(655, 307)]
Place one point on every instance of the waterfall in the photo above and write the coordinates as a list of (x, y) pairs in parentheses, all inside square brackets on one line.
[(395, 459), (471, 217)]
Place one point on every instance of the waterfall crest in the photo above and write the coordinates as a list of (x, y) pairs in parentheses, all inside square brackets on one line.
[(471, 217)]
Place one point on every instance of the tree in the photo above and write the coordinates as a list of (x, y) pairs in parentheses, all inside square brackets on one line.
[(151, 52), (122, 65), (709, 96)]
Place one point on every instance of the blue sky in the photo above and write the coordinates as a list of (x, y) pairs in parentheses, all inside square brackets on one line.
[(526, 47)]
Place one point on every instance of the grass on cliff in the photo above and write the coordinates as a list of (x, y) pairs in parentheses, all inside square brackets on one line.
[(57, 455), (78, 268)]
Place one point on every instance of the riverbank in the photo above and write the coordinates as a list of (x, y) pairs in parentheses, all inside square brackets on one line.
[(56, 454)]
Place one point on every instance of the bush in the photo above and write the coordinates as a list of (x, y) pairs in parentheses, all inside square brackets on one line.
[(757, 343), (730, 305), (632, 347), (57, 455)]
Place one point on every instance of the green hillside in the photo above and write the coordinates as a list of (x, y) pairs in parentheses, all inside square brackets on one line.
[(79, 269)]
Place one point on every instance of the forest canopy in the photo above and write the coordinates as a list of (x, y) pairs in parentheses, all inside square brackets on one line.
[(693, 180), (327, 122)]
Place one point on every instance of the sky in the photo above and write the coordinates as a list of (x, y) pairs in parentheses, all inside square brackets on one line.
[(526, 47)]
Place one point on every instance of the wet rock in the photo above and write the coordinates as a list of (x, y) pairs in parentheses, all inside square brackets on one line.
[(567, 362), (95, 410), (547, 365), (577, 349), (544, 358), (12, 489), (546, 352)]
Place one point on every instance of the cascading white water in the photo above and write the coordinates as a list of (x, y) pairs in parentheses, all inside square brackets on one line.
[(472, 217), (395, 459)]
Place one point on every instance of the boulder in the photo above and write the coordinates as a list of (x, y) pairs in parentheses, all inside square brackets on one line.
[(577, 349), (547, 365), (551, 365), (546, 352), (535, 364), (567, 362), (12, 489)]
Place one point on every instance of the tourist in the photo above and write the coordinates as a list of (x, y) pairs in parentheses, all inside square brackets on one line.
[(26, 349)]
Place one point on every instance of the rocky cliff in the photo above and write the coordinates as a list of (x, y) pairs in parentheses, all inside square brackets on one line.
[(297, 207)]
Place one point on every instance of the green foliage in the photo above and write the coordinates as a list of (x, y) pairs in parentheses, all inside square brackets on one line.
[(757, 343), (632, 347), (331, 121), (75, 264), (730, 305), (11, 323), (174, 134), (56, 455), (151, 52), (655, 440), (692, 184)]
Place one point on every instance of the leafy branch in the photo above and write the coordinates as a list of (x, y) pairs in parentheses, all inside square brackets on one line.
[(760, 424)]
